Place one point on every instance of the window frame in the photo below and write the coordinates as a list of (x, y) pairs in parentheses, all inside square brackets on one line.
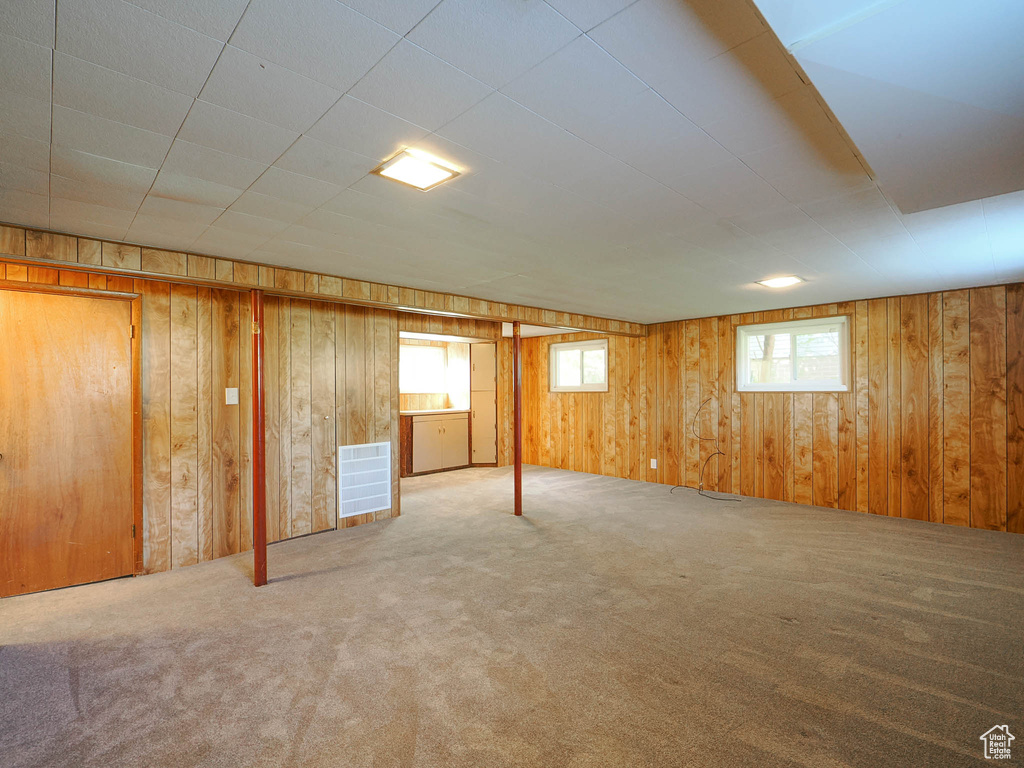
[(582, 346), (793, 327)]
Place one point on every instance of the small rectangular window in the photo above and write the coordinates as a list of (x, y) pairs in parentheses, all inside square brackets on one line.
[(794, 356), (579, 366), (422, 370)]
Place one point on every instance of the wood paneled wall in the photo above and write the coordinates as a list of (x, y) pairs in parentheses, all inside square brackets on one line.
[(485, 330), (330, 381), (933, 428), (597, 432)]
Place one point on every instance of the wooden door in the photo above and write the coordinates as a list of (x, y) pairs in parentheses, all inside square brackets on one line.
[(455, 441), (482, 375), (485, 431), (426, 444), (66, 440)]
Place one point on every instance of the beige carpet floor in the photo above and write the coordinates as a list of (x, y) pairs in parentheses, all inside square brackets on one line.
[(614, 625)]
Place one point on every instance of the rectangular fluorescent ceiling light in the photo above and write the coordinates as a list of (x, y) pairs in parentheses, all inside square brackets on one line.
[(780, 282), (417, 169)]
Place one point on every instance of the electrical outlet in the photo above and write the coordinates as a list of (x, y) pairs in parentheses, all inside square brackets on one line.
[(654, 463), (231, 396)]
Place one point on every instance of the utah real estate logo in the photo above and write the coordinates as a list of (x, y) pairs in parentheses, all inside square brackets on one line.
[(997, 742)]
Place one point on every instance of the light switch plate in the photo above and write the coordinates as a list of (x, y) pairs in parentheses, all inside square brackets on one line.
[(654, 463), (231, 396)]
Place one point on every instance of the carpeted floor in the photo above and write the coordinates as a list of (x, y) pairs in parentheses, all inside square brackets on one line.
[(614, 625)]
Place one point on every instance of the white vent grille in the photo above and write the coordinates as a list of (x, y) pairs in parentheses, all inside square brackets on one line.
[(364, 478)]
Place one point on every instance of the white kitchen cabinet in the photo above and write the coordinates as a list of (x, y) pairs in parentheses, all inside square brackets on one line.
[(440, 441)]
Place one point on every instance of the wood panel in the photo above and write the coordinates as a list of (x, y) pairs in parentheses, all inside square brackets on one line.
[(932, 430)]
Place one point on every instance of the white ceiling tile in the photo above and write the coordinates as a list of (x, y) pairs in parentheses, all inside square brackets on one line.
[(135, 42), (235, 134), (97, 136), (256, 204), (576, 86), (494, 42), (419, 87), (214, 18), (306, 36), (188, 159), (25, 152), (312, 158), (399, 17), (228, 243), (93, 169), (20, 203), (759, 123), (659, 40), (87, 87), (1003, 218), (68, 222), (295, 188), (106, 195), (190, 189), (251, 225), (114, 218), (255, 87), (31, 20), (24, 179), (160, 232), (24, 116), (191, 213), (730, 189), (587, 14), (361, 128), (25, 68)]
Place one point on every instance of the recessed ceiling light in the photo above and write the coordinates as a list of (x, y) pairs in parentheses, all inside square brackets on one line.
[(417, 169), (780, 282)]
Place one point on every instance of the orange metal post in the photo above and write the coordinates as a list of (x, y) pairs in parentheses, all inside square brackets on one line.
[(517, 387), (259, 456)]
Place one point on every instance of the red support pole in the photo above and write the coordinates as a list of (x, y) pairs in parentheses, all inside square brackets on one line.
[(259, 453), (517, 397)]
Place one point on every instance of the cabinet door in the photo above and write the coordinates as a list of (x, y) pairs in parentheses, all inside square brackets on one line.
[(483, 367), (485, 432), (455, 440), (426, 445)]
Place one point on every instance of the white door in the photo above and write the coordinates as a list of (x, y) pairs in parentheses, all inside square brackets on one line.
[(426, 444), (455, 441), (485, 432), (483, 368)]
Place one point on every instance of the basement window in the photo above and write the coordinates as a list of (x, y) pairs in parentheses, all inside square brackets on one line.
[(422, 370), (579, 366), (794, 356)]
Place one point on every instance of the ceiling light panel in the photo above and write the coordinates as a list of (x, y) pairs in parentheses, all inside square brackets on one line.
[(780, 282), (417, 169)]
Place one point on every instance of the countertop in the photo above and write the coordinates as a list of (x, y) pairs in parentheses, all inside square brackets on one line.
[(434, 411)]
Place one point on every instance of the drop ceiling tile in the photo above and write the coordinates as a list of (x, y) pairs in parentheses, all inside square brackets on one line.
[(856, 214), (25, 152), (419, 87), (188, 159), (16, 201), (214, 18), (25, 68), (123, 37), (305, 35), (191, 213), (160, 232), (24, 179), (658, 40), (493, 42), (575, 87), (24, 116), (87, 87), (361, 128), (295, 188), (1003, 217), (67, 222), (106, 138), (398, 17), (256, 204), (312, 158), (255, 87), (255, 226), (235, 134), (30, 20), (115, 218), (587, 14), (189, 189), (88, 169), (730, 189), (823, 166), (106, 195), (227, 243), (759, 123)]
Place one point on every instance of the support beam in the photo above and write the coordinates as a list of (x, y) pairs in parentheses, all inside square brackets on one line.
[(259, 451), (517, 398)]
